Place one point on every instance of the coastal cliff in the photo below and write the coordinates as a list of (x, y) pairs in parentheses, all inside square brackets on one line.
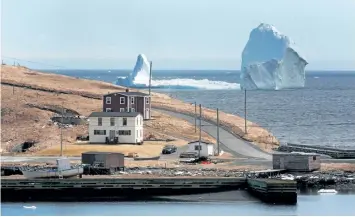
[(27, 94)]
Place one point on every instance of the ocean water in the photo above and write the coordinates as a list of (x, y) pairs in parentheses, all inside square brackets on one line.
[(322, 205), (322, 113)]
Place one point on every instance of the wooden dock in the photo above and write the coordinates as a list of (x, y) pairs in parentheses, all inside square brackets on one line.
[(91, 189), (109, 188), (273, 190)]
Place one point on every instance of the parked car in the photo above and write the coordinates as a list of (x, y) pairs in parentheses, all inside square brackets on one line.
[(169, 149)]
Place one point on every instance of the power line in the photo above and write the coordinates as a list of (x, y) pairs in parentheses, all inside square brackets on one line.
[(29, 61)]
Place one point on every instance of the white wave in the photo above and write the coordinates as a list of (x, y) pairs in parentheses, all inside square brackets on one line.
[(186, 83)]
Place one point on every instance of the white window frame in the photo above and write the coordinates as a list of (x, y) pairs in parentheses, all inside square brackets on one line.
[(108, 100), (147, 101), (122, 101), (112, 121), (132, 99), (122, 109), (108, 109), (124, 120)]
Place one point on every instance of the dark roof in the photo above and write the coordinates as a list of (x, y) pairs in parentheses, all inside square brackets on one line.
[(99, 152), (129, 94), (201, 142), (114, 114)]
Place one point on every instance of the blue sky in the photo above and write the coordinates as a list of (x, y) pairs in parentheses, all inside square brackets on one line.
[(175, 34)]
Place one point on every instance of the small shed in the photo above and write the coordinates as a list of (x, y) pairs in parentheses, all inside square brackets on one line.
[(296, 161), (207, 149), (105, 160)]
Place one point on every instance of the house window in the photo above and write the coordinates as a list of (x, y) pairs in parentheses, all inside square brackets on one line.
[(99, 132), (108, 109), (132, 100), (147, 100), (108, 100), (197, 147), (133, 109), (122, 100), (314, 157), (124, 121), (121, 109), (99, 121), (112, 121), (124, 132)]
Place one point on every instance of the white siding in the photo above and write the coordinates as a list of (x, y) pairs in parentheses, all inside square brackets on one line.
[(132, 124), (206, 149)]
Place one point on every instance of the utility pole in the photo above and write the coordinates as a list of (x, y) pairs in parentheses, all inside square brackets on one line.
[(245, 111), (199, 141), (61, 135), (195, 117), (150, 76), (218, 131)]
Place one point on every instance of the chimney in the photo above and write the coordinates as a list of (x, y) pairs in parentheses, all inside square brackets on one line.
[(127, 90)]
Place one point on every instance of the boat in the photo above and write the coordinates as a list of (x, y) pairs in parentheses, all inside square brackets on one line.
[(331, 191), (63, 170), (29, 207)]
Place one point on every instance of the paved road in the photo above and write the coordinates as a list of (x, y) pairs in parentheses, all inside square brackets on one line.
[(230, 142)]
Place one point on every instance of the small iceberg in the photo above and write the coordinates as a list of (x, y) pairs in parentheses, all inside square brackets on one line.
[(29, 207), (324, 191)]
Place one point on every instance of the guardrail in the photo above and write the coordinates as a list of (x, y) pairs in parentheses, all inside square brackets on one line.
[(332, 152)]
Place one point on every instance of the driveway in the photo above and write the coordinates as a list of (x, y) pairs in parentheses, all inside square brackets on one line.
[(229, 142)]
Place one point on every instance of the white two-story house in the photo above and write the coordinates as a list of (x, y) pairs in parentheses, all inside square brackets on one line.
[(116, 127)]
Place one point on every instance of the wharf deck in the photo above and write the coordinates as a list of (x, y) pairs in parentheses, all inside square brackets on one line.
[(274, 190), (122, 183)]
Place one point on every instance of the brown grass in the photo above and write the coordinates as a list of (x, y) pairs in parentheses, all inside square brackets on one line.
[(148, 149), (338, 167), (74, 88)]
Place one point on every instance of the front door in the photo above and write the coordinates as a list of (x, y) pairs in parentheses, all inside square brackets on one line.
[(147, 114), (112, 135)]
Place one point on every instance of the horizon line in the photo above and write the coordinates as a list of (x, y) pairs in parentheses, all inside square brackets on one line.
[(233, 70)]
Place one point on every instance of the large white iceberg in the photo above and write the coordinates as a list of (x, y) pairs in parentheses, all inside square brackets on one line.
[(139, 77), (270, 61)]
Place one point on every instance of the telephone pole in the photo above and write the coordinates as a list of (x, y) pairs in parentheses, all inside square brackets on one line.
[(150, 76), (199, 141), (195, 117), (61, 135), (218, 132), (245, 111)]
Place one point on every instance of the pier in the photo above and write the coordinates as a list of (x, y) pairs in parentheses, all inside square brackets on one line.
[(91, 189), (98, 189), (274, 191)]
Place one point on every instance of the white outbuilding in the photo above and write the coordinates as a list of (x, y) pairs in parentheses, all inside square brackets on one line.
[(116, 127), (207, 149)]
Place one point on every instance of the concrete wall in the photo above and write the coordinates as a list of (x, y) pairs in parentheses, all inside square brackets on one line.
[(134, 124)]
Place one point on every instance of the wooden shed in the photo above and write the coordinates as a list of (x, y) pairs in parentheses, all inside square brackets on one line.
[(296, 161), (105, 160)]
